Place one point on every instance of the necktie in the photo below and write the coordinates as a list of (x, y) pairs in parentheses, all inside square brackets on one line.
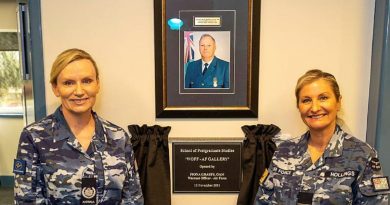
[(205, 68)]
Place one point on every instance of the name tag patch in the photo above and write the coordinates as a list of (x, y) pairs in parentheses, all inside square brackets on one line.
[(380, 183), (282, 171), (349, 173), (19, 166), (88, 191)]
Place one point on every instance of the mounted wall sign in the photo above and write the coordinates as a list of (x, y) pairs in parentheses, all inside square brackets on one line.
[(206, 167)]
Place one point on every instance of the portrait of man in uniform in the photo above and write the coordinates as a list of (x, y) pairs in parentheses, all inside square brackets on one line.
[(209, 71)]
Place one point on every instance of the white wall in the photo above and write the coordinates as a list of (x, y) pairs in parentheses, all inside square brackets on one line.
[(8, 15), (332, 35)]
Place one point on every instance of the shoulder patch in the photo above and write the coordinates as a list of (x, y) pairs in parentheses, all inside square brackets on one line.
[(19, 166), (375, 164), (380, 183)]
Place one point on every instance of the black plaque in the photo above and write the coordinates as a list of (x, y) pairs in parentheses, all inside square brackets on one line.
[(206, 167)]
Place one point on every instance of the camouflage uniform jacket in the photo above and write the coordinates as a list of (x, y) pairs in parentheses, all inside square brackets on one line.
[(52, 164), (342, 175)]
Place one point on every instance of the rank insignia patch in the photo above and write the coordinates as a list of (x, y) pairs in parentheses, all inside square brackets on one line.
[(375, 165), (19, 166), (264, 176), (380, 183)]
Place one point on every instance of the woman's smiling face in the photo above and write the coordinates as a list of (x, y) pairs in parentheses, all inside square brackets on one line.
[(318, 105), (77, 86)]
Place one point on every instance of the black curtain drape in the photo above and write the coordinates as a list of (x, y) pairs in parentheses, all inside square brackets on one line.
[(150, 145), (257, 152)]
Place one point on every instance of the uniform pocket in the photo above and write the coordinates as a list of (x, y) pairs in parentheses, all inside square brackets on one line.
[(340, 181), (47, 172), (338, 188), (367, 189), (112, 196), (286, 188), (116, 176)]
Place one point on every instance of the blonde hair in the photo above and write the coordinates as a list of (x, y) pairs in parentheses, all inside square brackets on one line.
[(313, 75), (67, 57)]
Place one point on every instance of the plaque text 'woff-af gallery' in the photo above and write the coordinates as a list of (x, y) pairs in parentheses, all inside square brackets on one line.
[(206, 167)]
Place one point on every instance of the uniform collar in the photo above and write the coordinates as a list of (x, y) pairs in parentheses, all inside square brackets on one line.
[(61, 130), (208, 62), (213, 63), (334, 148), (100, 138)]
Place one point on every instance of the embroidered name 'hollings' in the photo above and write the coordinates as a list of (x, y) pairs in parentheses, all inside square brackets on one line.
[(349, 173)]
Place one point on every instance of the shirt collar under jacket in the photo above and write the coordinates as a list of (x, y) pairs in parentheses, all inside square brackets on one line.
[(333, 149), (208, 63), (61, 130)]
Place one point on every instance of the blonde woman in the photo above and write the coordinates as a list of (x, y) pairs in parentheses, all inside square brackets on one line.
[(326, 165), (73, 156)]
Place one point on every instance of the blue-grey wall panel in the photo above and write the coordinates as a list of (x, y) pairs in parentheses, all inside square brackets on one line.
[(378, 122), (383, 128), (37, 58)]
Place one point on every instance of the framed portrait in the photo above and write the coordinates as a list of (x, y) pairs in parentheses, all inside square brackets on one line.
[(207, 58)]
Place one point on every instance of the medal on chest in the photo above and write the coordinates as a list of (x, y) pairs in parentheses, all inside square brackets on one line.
[(215, 82)]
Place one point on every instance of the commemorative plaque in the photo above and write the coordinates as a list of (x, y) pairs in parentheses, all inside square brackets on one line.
[(206, 167)]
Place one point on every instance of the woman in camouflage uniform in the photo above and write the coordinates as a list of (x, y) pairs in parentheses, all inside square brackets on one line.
[(73, 156), (326, 165)]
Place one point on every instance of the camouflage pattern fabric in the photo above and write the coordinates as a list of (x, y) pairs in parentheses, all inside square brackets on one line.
[(55, 163), (342, 175)]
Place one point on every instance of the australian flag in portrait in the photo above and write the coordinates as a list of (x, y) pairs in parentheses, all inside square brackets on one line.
[(189, 51)]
